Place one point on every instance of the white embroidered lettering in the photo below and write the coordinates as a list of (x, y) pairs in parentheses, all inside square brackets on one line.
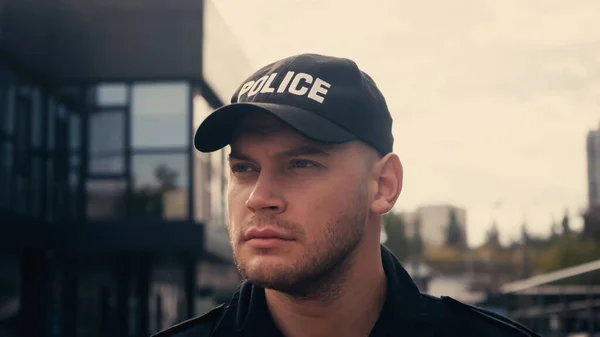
[(267, 87), (294, 87), (257, 86), (319, 87), (245, 89), (300, 84), (285, 82)]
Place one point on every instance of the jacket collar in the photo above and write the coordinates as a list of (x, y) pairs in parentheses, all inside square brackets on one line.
[(247, 312)]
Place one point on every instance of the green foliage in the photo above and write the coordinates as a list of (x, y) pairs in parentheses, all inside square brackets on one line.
[(396, 242), (567, 251), (148, 200), (566, 228)]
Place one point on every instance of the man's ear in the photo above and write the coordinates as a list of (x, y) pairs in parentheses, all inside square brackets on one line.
[(389, 174)]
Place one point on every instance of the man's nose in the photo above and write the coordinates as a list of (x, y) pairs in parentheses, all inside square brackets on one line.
[(265, 196)]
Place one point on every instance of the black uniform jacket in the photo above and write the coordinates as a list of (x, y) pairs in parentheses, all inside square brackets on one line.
[(406, 312)]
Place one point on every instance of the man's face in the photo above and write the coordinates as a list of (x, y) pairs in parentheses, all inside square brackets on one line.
[(297, 208)]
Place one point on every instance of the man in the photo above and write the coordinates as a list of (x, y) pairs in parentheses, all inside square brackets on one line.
[(312, 172)]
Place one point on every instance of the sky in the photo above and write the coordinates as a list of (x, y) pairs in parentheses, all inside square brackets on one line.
[(491, 100)]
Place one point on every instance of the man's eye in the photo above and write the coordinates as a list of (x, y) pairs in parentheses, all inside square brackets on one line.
[(302, 164), (242, 168)]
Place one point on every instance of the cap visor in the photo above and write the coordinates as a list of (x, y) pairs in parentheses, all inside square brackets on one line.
[(217, 129)]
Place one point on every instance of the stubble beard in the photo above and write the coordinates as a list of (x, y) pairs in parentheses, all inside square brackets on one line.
[(324, 265)]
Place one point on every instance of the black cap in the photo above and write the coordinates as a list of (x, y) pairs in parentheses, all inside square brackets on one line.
[(324, 98)]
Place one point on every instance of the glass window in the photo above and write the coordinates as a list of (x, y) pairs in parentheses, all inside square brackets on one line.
[(74, 161), (36, 186), (74, 131), (5, 170), (105, 199), (201, 191), (107, 164), (36, 117), (52, 107), (159, 115), (23, 109), (167, 296), (111, 94), (50, 189), (2, 108), (216, 188), (106, 132), (9, 113), (74, 193), (160, 185), (61, 129), (19, 199)]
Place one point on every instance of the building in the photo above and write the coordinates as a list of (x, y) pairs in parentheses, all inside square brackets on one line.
[(593, 161), (564, 302), (432, 221), (111, 224)]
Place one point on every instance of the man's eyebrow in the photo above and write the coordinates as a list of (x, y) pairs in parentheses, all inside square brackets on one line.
[(304, 150), (239, 156)]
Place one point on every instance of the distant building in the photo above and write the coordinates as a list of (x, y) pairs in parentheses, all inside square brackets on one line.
[(593, 160), (432, 221)]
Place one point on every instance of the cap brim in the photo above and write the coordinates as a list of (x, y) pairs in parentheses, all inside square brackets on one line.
[(216, 131)]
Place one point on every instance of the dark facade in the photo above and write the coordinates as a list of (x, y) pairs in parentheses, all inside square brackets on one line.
[(111, 224)]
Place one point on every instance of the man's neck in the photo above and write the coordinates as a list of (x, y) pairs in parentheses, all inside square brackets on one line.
[(352, 312)]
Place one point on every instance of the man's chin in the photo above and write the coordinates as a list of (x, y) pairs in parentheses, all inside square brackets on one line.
[(267, 264)]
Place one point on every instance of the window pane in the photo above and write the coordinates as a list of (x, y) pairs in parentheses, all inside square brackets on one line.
[(74, 193), (160, 185), (52, 107), (5, 167), (167, 296), (61, 125), (74, 161), (107, 165), (36, 186), (217, 197), (51, 187), (74, 131), (19, 199), (107, 132), (159, 115), (9, 105), (105, 199), (201, 166), (2, 107), (111, 94), (36, 117)]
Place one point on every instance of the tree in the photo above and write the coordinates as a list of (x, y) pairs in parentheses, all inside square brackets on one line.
[(147, 200), (526, 267), (493, 236), (565, 223), (417, 246), (454, 235), (166, 177), (525, 237), (396, 242), (554, 230)]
